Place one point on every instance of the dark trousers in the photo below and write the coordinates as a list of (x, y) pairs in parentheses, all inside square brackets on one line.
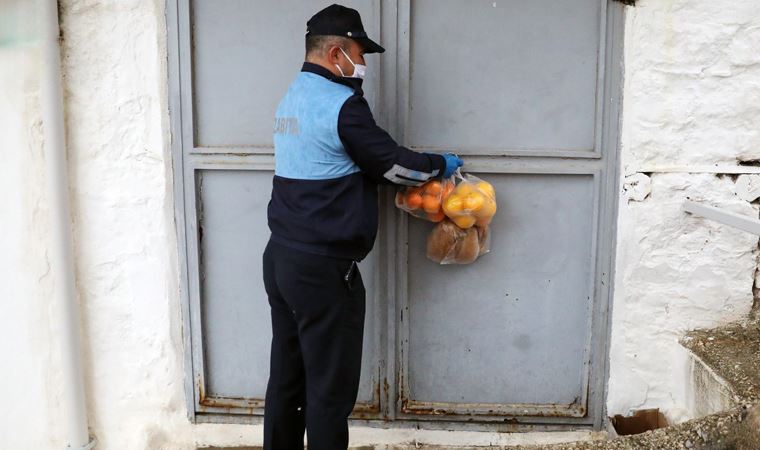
[(317, 332)]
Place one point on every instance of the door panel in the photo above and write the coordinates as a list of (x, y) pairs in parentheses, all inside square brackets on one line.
[(512, 327), (235, 315), (235, 312), (491, 76), (238, 66), (244, 61), (518, 88)]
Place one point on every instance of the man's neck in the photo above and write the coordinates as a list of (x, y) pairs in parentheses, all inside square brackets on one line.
[(324, 64), (354, 83)]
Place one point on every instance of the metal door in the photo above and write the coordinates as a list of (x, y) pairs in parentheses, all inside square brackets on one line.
[(526, 92), (520, 89), (231, 62)]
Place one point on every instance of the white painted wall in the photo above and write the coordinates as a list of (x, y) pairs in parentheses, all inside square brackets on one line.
[(692, 95), (691, 109), (28, 367)]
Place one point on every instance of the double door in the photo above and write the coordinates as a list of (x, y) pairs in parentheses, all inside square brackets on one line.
[(525, 92)]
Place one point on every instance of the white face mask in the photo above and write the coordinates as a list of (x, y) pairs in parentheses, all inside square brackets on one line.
[(359, 69)]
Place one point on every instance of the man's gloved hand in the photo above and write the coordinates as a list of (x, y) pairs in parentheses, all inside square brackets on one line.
[(453, 162)]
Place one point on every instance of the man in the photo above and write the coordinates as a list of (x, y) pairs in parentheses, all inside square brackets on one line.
[(330, 157)]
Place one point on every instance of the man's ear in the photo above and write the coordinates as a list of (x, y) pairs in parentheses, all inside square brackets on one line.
[(332, 54)]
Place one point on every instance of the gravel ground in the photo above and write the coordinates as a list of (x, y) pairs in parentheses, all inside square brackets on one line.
[(736, 429), (722, 431), (733, 352)]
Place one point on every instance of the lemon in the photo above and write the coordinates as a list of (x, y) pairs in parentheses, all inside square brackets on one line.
[(487, 210), (453, 205), (486, 188), (474, 202), (464, 221), (464, 189)]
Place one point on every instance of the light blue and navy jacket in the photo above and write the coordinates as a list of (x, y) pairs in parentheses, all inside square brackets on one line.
[(330, 155)]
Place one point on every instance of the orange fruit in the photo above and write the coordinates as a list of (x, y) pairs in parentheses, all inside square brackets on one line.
[(447, 188), (433, 188), (414, 200), (399, 199), (436, 217), (474, 201), (464, 222), (431, 203), (414, 190)]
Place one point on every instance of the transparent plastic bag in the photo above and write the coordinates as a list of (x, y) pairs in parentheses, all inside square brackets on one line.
[(471, 203), (450, 244), (484, 239), (425, 202)]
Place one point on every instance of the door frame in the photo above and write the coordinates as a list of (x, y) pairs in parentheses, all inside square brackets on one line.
[(392, 285)]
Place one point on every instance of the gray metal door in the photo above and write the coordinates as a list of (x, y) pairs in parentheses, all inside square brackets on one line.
[(231, 62), (522, 89), (526, 92)]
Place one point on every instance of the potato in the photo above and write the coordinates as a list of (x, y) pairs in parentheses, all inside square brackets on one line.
[(442, 241), (468, 247)]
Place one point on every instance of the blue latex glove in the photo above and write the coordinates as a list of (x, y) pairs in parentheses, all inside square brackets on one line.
[(453, 162)]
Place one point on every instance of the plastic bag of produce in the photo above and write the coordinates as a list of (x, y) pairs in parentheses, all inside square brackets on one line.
[(484, 239), (472, 202), (450, 244), (425, 202)]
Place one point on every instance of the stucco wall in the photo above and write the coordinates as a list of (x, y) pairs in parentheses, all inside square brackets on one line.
[(692, 95), (691, 111), (115, 83)]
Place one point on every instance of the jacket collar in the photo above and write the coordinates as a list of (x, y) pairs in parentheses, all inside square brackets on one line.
[(353, 83)]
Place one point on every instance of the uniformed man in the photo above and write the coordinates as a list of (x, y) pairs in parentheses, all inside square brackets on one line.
[(330, 157)]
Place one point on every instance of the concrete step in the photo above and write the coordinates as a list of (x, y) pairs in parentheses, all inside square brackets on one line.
[(724, 365), (367, 438), (706, 392)]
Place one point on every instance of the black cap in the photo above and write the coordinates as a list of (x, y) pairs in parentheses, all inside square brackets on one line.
[(337, 20)]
